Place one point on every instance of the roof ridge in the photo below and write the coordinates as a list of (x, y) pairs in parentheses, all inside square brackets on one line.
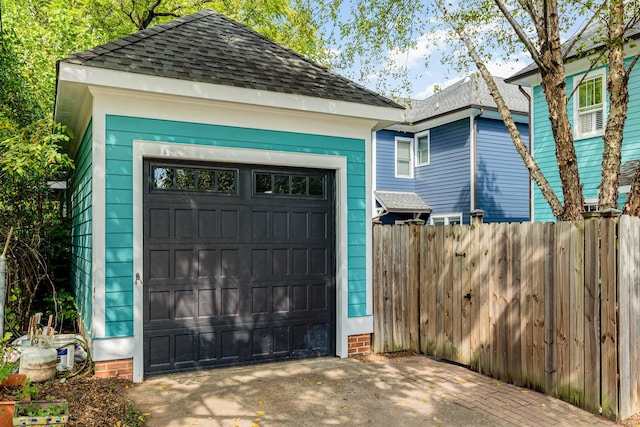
[(304, 58)]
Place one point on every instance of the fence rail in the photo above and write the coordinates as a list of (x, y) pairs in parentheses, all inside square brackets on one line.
[(554, 306)]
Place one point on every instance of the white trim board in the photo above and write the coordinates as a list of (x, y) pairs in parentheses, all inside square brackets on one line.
[(70, 75), (345, 326)]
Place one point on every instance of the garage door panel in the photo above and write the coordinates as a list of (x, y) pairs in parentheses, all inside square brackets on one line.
[(166, 223), (319, 229), (184, 223), (159, 223), (159, 306), (185, 304), (237, 277), (207, 303), (183, 263)]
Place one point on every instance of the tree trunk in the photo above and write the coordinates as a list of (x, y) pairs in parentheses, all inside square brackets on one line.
[(618, 106), (554, 86)]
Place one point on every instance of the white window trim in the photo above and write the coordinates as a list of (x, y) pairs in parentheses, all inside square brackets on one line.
[(576, 113), (418, 136), (395, 157), (591, 201), (445, 217)]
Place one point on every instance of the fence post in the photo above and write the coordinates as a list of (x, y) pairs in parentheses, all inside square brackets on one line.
[(477, 216)]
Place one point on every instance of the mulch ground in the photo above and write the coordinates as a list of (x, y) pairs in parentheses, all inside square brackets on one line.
[(93, 402)]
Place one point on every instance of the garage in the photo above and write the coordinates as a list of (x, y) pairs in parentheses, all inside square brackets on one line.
[(239, 264)]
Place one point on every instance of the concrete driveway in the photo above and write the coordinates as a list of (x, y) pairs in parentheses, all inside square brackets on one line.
[(405, 391)]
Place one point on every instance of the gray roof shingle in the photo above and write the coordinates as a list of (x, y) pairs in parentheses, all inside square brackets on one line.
[(211, 48), (627, 171), (590, 41), (400, 201), (469, 92)]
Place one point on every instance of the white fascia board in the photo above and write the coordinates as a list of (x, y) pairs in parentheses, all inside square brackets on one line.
[(169, 107), (432, 123), (576, 66), (384, 116)]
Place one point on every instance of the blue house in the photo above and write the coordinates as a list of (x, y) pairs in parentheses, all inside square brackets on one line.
[(221, 202), (588, 112), (452, 155)]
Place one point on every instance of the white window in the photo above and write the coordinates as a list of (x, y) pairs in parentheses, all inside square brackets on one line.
[(404, 158), (423, 151), (590, 105), (453, 219), (591, 204)]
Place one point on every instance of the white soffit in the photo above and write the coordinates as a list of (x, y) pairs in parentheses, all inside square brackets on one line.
[(161, 85)]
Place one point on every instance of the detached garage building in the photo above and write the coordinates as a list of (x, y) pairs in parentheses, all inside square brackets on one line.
[(221, 200)]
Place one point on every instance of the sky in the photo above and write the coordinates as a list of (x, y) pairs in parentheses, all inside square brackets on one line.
[(424, 78)]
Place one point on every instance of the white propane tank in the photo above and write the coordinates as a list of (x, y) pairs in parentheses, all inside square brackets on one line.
[(38, 362)]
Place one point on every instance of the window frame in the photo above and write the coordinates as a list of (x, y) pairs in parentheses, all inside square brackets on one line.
[(590, 201), (577, 113), (397, 140), (446, 218), (417, 137)]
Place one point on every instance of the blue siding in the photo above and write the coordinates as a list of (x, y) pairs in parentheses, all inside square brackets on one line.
[(588, 151), (81, 229), (120, 133), (385, 163), (445, 182), (502, 180)]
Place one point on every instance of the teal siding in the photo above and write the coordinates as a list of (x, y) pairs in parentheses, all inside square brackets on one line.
[(81, 228), (588, 151), (120, 133)]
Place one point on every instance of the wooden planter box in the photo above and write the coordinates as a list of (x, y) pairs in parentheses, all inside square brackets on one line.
[(41, 413), (6, 414)]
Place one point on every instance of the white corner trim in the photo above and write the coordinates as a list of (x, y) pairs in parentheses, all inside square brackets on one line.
[(98, 237), (472, 160), (143, 149), (112, 348)]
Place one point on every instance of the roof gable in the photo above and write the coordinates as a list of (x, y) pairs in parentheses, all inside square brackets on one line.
[(590, 41), (211, 48), (471, 92)]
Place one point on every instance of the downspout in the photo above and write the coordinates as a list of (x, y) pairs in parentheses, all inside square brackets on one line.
[(474, 164), (530, 145)]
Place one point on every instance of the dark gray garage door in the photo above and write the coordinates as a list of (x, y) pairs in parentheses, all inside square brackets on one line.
[(239, 265)]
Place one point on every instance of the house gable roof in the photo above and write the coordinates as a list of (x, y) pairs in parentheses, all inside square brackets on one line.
[(208, 47), (589, 43), (471, 92), (627, 171)]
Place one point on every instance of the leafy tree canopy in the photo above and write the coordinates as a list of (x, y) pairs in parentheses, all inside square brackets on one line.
[(374, 34), (53, 29)]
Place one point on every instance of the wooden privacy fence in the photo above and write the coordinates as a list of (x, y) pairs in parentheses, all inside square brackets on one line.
[(553, 306)]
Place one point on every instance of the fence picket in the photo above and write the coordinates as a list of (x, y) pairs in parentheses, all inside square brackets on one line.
[(576, 320), (608, 332), (592, 314), (552, 306)]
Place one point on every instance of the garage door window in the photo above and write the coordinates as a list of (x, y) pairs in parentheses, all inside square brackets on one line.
[(194, 179), (289, 185)]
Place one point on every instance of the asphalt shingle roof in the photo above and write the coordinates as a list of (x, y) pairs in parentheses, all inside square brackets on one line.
[(627, 171), (469, 92), (589, 41), (211, 48), (400, 201)]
